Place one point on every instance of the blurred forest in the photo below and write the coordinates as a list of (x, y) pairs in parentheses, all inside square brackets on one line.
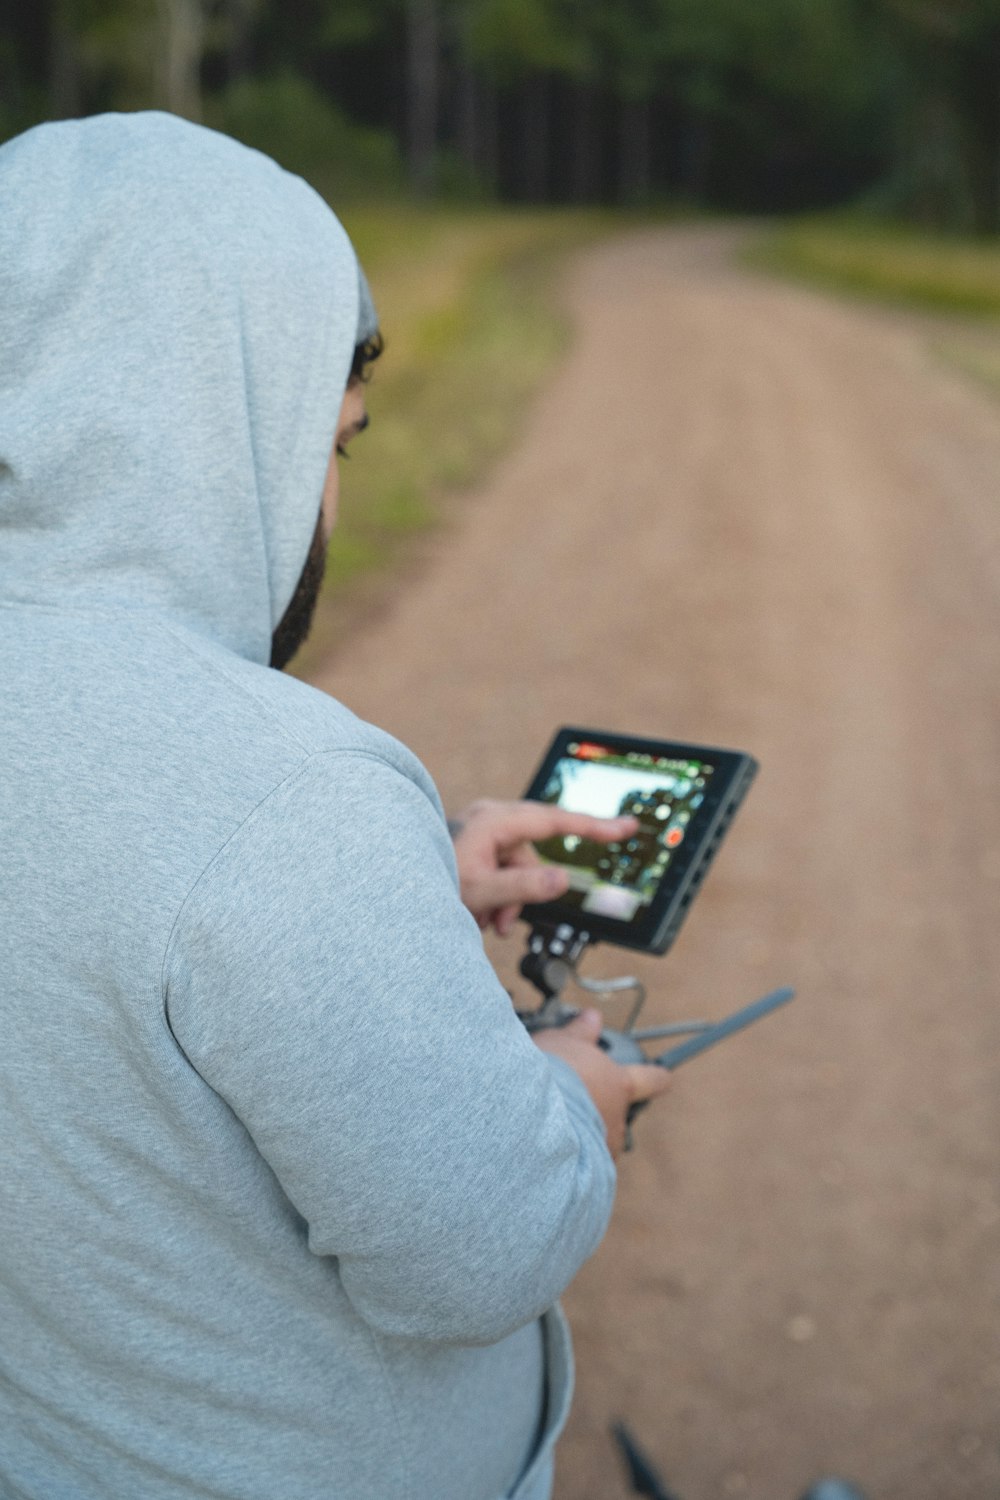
[(748, 105)]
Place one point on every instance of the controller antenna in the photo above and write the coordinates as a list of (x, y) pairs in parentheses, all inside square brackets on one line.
[(645, 1480)]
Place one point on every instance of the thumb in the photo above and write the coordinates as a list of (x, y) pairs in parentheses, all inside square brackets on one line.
[(648, 1081), (587, 1026)]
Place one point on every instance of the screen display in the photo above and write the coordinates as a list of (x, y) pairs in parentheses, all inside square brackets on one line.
[(620, 880)]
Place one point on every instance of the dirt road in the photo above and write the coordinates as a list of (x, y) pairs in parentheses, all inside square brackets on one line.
[(751, 515)]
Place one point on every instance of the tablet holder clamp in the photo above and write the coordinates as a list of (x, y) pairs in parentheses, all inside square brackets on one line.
[(551, 963)]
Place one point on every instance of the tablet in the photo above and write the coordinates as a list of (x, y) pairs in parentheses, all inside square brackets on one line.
[(636, 892)]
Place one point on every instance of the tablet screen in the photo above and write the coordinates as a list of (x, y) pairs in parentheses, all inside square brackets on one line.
[(637, 890), (663, 791)]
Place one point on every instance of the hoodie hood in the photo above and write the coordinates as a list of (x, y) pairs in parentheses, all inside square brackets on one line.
[(177, 321)]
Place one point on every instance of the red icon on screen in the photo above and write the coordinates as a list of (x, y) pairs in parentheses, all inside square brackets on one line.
[(674, 837)]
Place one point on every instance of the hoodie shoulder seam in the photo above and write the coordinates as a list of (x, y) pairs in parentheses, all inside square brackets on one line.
[(299, 770), (246, 691)]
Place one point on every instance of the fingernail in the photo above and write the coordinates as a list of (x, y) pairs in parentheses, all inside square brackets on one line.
[(554, 880)]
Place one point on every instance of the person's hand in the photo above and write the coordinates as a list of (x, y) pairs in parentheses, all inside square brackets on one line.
[(614, 1087), (498, 868)]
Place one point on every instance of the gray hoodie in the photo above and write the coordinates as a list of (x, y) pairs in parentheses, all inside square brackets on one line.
[(285, 1188)]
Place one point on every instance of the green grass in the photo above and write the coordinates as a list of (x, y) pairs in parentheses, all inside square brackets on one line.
[(955, 279), (468, 304), (981, 361), (890, 262)]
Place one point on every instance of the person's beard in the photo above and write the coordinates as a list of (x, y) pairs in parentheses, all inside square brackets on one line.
[(293, 627)]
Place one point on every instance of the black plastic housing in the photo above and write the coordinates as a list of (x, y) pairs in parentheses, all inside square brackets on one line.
[(656, 921)]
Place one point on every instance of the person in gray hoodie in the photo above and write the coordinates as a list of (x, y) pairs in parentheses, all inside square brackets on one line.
[(288, 1194)]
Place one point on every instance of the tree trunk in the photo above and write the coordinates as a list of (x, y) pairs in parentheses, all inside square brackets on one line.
[(472, 104), (942, 193), (697, 157), (423, 90), (634, 151), (584, 185), (467, 112), (178, 65), (238, 59), (535, 142), (489, 134), (65, 72), (982, 163), (977, 96)]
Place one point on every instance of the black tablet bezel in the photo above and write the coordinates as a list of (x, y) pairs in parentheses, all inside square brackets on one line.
[(656, 928)]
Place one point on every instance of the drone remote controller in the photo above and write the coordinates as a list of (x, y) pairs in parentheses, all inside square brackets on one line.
[(634, 893)]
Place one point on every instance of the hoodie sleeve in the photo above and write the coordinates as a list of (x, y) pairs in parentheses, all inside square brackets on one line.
[(324, 978)]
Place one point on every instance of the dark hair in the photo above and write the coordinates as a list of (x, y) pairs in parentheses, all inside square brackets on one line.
[(364, 355)]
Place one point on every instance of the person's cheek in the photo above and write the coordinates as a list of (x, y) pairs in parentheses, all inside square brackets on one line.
[(331, 495)]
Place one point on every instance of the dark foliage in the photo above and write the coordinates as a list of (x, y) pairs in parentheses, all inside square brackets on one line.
[(778, 105)]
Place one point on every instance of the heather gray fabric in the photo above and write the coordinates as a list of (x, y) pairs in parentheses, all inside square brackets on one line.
[(367, 318), (285, 1186)]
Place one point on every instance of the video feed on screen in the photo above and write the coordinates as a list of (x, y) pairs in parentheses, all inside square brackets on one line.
[(619, 880)]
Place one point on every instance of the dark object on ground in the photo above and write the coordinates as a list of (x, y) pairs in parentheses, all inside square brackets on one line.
[(834, 1489), (646, 1481), (644, 1478)]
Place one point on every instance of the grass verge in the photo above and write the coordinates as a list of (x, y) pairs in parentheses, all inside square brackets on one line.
[(468, 305), (890, 262), (980, 359), (955, 281)]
